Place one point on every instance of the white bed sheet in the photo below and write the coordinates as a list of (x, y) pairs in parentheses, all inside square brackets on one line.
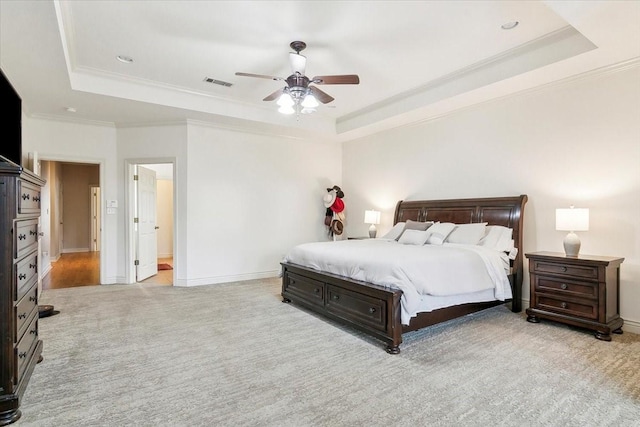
[(430, 276)]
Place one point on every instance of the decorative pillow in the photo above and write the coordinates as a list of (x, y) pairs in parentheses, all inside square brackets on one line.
[(439, 231), (469, 234), (415, 225), (414, 237), (395, 232)]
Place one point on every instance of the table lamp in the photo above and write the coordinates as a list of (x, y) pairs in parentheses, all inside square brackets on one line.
[(571, 220), (373, 218)]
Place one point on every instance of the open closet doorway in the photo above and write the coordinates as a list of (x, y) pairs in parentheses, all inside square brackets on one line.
[(153, 211), (71, 224)]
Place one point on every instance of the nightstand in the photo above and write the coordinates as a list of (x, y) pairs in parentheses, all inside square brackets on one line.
[(579, 291)]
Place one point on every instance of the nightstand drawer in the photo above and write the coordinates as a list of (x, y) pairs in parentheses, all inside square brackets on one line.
[(586, 272), (566, 288), (574, 307)]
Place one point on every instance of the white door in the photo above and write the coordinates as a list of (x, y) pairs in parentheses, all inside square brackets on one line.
[(147, 239)]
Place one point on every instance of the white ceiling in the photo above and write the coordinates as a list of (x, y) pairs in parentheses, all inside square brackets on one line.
[(416, 59)]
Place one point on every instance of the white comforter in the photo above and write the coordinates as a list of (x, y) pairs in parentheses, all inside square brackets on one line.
[(437, 270)]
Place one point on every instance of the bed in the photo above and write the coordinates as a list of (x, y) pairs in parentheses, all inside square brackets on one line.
[(378, 307)]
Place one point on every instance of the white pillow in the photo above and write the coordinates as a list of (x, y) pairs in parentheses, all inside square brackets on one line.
[(439, 231), (498, 237), (469, 234), (395, 232), (414, 237)]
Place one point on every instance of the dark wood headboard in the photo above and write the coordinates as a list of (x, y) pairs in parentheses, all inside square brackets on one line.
[(505, 211)]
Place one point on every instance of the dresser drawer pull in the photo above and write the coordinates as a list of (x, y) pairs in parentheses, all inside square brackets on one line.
[(22, 236), (36, 199), (22, 276), (336, 297), (32, 299), (564, 269), (32, 265), (22, 355), (563, 305), (25, 197), (33, 233), (563, 286), (372, 310), (34, 332), (316, 290), (22, 316)]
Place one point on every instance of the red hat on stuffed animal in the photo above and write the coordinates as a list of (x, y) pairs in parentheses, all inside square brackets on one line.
[(338, 205)]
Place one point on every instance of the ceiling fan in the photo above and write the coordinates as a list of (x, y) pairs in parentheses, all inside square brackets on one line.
[(298, 95)]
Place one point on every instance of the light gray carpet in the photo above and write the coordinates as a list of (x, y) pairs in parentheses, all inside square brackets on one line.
[(235, 355)]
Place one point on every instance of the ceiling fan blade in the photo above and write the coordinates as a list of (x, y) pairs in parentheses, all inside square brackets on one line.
[(260, 76), (321, 96), (274, 95), (298, 63), (344, 79)]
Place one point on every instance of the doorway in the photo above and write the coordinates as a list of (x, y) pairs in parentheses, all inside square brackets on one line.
[(153, 222), (71, 224)]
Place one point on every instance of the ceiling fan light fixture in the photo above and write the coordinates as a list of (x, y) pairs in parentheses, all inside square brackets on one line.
[(286, 109), (308, 110), (310, 101), (285, 100)]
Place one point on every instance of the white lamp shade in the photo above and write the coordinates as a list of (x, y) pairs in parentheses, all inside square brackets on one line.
[(285, 100), (371, 217), (572, 219), (310, 101)]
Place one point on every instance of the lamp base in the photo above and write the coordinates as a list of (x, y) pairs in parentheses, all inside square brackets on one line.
[(571, 244), (372, 231)]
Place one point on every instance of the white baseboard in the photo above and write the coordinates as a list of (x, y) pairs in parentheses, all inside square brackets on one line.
[(226, 279), (46, 269), (74, 250)]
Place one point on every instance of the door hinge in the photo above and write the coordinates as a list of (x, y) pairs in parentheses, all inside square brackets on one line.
[(136, 262), (135, 220), (135, 177)]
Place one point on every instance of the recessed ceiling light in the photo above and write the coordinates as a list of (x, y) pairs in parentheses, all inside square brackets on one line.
[(509, 25), (70, 110), (124, 59)]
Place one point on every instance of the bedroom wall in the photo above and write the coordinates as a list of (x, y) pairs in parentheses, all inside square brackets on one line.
[(77, 180), (251, 198), (572, 143)]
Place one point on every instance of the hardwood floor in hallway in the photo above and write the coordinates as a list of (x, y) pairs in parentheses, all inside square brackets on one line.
[(83, 269)]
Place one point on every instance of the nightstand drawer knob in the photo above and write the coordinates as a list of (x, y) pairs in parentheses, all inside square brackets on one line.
[(563, 286), (563, 305)]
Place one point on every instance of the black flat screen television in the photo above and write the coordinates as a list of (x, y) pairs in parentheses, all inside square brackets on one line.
[(11, 145)]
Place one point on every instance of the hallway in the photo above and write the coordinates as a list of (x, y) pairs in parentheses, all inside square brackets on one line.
[(83, 269)]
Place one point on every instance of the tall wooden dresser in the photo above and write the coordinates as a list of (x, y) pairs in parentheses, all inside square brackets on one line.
[(20, 345)]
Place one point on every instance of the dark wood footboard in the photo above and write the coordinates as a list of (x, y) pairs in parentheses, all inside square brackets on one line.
[(375, 309)]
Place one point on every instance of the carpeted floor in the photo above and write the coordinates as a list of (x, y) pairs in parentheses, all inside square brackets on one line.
[(235, 355)]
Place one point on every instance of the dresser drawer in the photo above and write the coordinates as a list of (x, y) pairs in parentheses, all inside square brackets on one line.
[(25, 347), (24, 310), (552, 285), (25, 237), (309, 290), (28, 198), (26, 273), (586, 272), (354, 306), (572, 307)]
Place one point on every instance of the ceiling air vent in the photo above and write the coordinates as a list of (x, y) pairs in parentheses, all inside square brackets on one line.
[(217, 82)]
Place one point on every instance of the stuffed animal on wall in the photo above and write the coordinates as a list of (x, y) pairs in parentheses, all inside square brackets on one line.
[(334, 213)]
